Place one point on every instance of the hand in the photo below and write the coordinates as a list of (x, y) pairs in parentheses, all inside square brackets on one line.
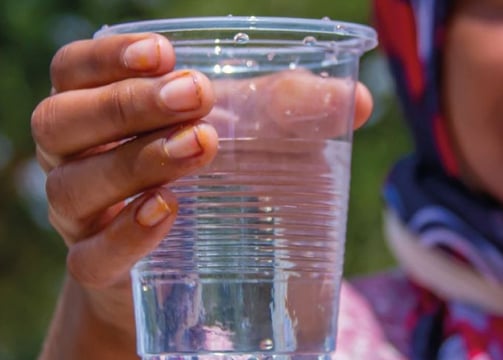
[(121, 122)]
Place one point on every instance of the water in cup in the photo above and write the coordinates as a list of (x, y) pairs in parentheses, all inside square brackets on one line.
[(252, 267), (254, 261)]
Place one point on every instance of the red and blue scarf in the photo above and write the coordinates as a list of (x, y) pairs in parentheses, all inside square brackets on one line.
[(425, 191)]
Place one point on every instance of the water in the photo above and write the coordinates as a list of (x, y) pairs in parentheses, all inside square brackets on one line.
[(309, 40), (241, 38), (251, 269)]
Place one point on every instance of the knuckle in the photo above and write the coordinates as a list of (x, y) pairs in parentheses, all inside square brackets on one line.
[(59, 195), (43, 120), (120, 103), (125, 250), (70, 231), (57, 66), (75, 267), (149, 167), (79, 269)]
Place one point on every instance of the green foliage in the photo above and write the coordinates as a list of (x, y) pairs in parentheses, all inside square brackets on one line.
[(31, 255)]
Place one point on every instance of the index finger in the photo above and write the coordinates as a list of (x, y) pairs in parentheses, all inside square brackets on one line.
[(92, 63)]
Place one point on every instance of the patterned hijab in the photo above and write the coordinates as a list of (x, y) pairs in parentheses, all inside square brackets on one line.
[(425, 191)]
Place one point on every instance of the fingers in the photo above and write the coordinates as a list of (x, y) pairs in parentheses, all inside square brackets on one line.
[(91, 63), (307, 105), (313, 106), (363, 105), (81, 188), (291, 103), (106, 257), (74, 121)]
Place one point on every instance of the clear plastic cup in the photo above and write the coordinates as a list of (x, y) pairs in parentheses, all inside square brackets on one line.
[(252, 267)]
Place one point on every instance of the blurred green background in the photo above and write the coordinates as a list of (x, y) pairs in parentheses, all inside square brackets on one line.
[(31, 254)]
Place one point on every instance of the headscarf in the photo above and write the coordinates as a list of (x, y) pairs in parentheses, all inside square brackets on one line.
[(425, 191)]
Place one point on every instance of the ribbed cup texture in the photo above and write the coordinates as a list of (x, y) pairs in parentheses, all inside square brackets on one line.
[(254, 261)]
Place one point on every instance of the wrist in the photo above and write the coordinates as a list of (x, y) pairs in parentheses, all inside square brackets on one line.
[(82, 327)]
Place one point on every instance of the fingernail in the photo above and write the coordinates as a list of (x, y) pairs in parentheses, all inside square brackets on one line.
[(153, 211), (181, 93), (142, 55), (183, 144)]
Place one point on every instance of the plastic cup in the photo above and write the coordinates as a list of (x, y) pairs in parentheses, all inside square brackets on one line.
[(252, 267)]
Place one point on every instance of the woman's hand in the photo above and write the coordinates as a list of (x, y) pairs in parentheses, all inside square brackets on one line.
[(120, 124)]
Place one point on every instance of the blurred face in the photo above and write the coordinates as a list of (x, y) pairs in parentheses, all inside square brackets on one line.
[(473, 92)]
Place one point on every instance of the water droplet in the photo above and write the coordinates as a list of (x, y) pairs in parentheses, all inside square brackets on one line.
[(227, 69), (266, 344), (324, 74), (330, 61), (309, 40), (245, 323), (252, 87), (144, 288), (191, 283), (218, 50), (288, 112), (229, 15), (325, 18), (252, 18), (292, 66), (241, 38), (271, 56)]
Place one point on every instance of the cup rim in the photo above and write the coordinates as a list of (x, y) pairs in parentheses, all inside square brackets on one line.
[(362, 37)]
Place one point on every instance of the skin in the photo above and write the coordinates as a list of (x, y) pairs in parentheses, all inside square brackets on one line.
[(473, 92), (109, 132)]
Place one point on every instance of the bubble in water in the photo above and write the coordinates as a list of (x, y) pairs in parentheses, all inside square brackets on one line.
[(241, 38), (293, 64), (309, 40), (266, 344), (227, 69), (251, 63), (266, 209), (329, 61)]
